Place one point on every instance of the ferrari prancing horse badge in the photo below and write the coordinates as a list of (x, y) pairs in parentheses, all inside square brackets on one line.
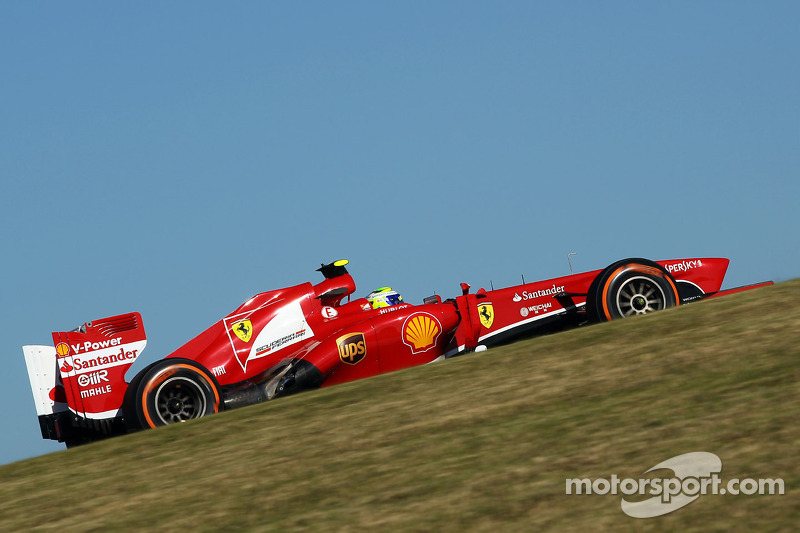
[(243, 330), (486, 312)]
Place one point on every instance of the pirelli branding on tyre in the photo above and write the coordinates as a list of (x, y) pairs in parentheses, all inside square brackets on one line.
[(352, 348)]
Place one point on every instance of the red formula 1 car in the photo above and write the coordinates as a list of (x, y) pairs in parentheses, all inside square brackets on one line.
[(310, 336)]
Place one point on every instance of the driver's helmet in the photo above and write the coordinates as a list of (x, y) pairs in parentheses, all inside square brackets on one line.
[(384, 297)]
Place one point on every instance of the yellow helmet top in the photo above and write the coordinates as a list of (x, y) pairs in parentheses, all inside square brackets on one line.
[(384, 297)]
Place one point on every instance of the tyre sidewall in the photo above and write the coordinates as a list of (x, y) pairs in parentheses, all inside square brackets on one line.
[(601, 300), (145, 401)]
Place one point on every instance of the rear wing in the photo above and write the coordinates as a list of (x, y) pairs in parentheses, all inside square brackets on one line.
[(83, 372)]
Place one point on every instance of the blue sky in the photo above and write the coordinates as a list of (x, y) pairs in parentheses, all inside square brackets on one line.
[(176, 158)]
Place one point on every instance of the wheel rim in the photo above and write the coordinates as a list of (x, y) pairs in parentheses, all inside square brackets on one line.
[(640, 295), (178, 400)]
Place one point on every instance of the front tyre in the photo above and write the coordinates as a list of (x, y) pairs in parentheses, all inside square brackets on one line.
[(631, 287), (173, 391)]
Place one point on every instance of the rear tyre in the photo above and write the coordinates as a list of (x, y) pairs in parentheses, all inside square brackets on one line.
[(631, 287), (173, 391)]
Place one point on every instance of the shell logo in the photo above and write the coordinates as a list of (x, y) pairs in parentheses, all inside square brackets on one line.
[(420, 332), (62, 349)]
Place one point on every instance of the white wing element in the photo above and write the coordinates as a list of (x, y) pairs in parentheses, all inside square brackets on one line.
[(43, 374)]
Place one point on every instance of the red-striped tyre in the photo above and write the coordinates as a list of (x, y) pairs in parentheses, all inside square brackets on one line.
[(631, 287), (173, 391)]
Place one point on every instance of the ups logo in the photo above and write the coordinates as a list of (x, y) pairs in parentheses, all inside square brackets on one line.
[(352, 348)]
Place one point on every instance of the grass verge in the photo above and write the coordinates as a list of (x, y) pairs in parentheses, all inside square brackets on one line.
[(483, 442)]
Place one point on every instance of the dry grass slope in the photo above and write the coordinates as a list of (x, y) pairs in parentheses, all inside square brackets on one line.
[(483, 442)]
